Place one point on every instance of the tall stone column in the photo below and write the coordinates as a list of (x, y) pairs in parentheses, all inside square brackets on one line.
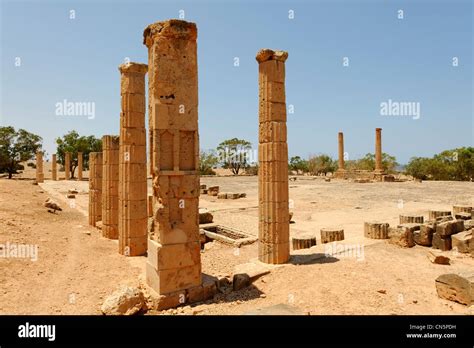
[(79, 165), (340, 173), (95, 187), (67, 165), (341, 151), (174, 260), (54, 167), (132, 162), (274, 228), (110, 186), (39, 167), (378, 151)]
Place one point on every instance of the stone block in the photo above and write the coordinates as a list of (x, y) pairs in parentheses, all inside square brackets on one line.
[(441, 243), (402, 236), (171, 256), (456, 287), (425, 235), (461, 241)]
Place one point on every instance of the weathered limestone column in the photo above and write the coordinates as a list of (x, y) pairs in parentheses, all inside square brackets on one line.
[(110, 186), (95, 187), (67, 165), (174, 260), (54, 167), (132, 162), (341, 170), (378, 151), (79, 165), (274, 228), (39, 167)]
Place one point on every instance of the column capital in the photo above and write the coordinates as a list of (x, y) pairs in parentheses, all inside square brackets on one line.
[(172, 28), (133, 67), (266, 54)]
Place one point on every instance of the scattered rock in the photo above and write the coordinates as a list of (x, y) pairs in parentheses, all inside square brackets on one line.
[(456, 287), (125, 301), (70, 195), (73, 191), (252, 270), (461, 241), (437, 257), (240, 281), (205, 217), (52, 205), (382, 291)]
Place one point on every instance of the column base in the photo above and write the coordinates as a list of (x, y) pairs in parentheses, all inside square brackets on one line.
[(378, 174), (199, 293), (340, 174)]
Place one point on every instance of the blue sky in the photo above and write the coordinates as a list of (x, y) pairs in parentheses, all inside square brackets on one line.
[(405, 60)]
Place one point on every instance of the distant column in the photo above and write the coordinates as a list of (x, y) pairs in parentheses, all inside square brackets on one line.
[(274, 228), (110, 185), (133, 221), (39, 167), (54, 167), (67, 165), (378, 151), (95, 187), (79, 165), (341, 151)]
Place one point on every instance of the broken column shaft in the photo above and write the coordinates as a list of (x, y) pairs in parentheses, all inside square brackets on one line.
[(132, 162), (110, 184), (95, 187), (79, 165), (39, 167), (174, 262), (67, 165), (378, 151), (273, 197), (54, 167)]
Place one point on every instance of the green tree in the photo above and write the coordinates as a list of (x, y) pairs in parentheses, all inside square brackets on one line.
[(298, 164), (389, 163), (207, 161), (73, 143), (321, 164), (234, 154), (15, 147), (456, 164)]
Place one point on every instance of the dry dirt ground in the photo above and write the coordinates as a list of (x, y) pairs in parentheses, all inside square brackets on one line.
[(77, 268)]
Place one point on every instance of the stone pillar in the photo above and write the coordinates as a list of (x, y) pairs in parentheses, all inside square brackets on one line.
[(378, 151), (54, 167), (110, 185), (132, 162), (174, 260), (79, 165), (341, 152), (67, 165), (95, 187), (341, 171), (39, 167), (274, 228)]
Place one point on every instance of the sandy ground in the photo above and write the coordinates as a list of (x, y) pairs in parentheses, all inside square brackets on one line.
[(77, 268)]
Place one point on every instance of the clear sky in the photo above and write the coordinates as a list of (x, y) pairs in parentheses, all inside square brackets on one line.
[(47, 57)]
